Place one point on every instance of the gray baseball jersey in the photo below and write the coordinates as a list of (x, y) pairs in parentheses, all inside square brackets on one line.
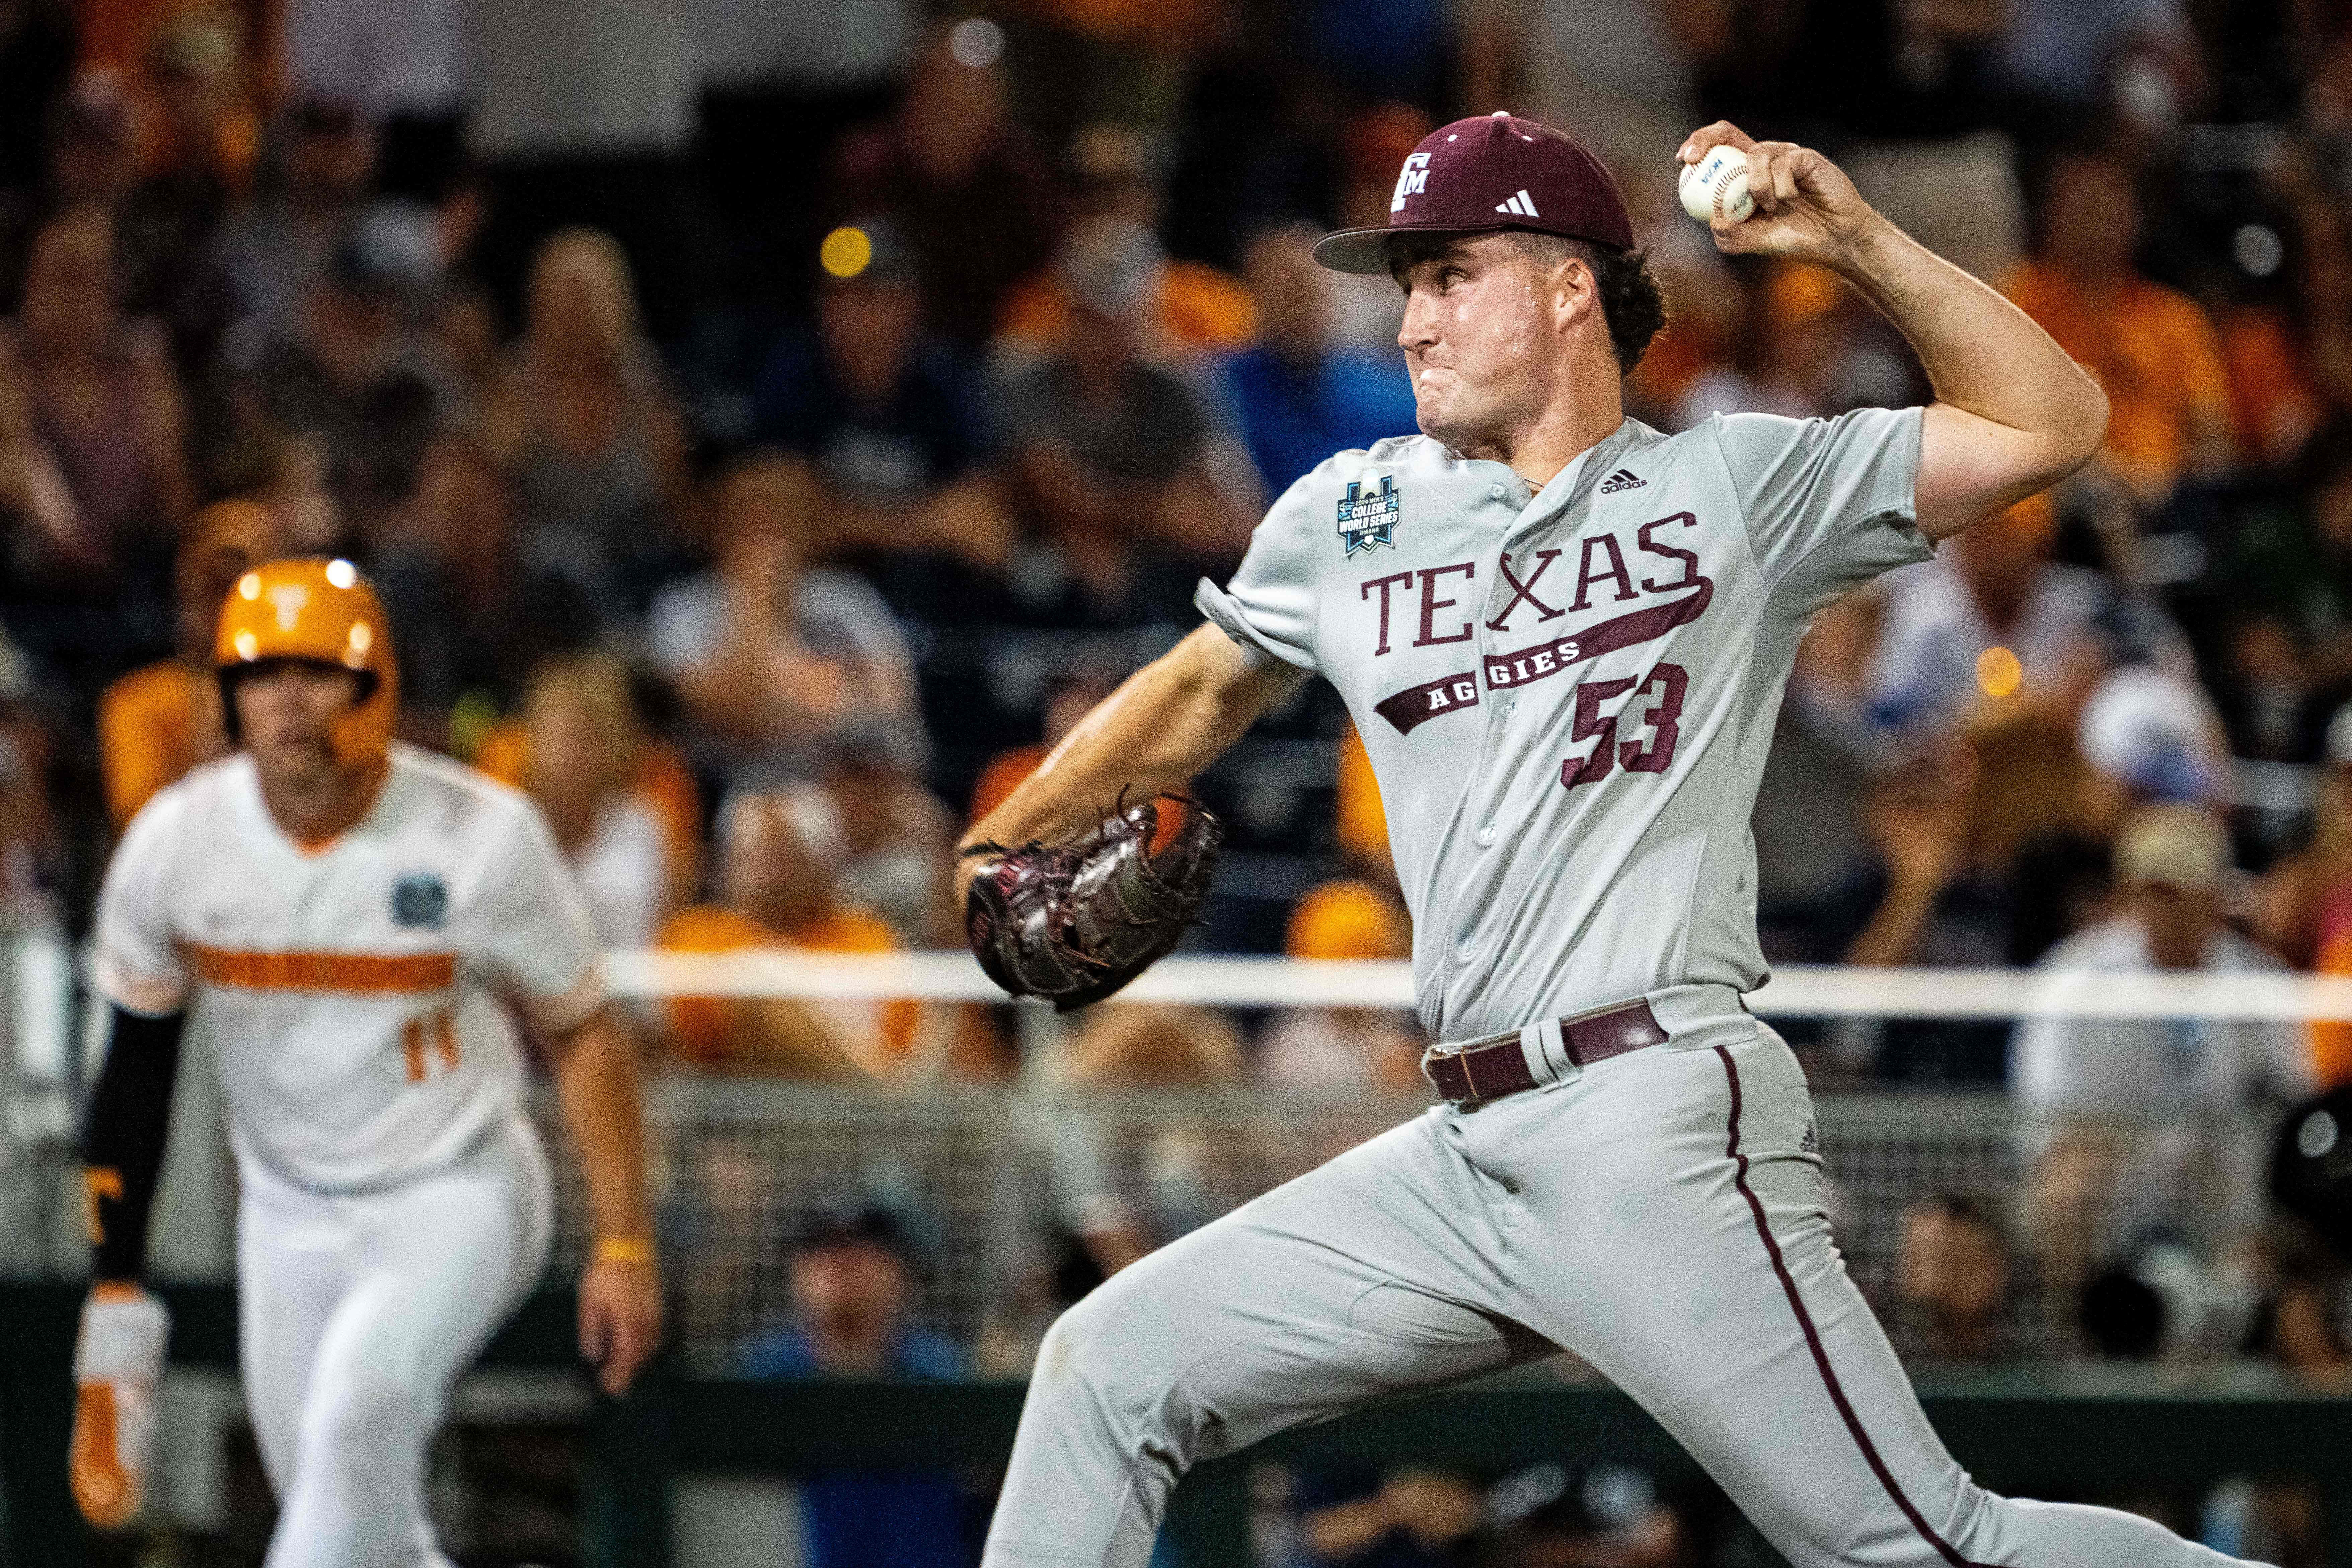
[(1567, 695)]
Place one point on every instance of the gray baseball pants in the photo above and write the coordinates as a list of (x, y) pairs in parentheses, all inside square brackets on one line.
[(1658, 1214)]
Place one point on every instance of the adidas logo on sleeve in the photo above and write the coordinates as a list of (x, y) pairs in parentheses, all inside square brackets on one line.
[(1622, 480)]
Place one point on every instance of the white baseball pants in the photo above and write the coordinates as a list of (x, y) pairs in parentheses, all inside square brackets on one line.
[(1658, 1214), (358, 1312)]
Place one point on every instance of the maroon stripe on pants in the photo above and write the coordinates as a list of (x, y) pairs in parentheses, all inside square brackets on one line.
[(1813, 1338)]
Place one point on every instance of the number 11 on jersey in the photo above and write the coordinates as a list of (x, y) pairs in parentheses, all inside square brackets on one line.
[(439, 1032)]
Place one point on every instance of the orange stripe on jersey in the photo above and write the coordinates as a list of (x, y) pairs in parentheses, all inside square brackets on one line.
[(325, 971)]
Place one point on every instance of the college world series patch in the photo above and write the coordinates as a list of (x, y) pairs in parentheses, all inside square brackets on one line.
[(420, 899), (1368, 521)]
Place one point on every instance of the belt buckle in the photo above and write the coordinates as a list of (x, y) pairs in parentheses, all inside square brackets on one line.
[(1431, 1059), (1459, 1051)]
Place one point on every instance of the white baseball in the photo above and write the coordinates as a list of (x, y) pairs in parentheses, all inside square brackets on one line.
[(1716, 185)]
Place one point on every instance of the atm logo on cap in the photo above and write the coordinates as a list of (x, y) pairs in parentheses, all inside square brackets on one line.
[(1411, 180)]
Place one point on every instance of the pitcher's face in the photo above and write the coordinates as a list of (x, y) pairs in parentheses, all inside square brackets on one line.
[(1477, 338)]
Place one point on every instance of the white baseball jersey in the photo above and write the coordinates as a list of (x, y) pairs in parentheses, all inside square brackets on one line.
[(1567, 695), (356, 994)]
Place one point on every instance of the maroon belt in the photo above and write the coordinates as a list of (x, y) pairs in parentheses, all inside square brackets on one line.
[(1488, 1068)]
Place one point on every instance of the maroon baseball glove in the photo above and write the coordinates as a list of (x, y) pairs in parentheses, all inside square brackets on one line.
[(1072, 922)]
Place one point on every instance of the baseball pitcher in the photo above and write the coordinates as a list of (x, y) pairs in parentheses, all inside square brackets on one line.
[(360, 924), (1563, 638)]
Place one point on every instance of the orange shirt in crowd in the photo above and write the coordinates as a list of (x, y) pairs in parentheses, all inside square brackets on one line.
[(1002, 777), (877, 1036), (2153, 352), (2331, 1043), (1348, 918), (1196, 307), (662, 780), (2277, 408), (154, 724)]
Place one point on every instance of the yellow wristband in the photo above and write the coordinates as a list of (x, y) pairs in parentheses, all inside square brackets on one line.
[(625, 1249)]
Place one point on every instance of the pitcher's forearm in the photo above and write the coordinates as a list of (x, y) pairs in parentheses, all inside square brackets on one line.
[(1983, 355), (1163, 725)]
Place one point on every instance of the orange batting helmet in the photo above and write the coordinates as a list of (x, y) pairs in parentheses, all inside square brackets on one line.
[(322, 611)]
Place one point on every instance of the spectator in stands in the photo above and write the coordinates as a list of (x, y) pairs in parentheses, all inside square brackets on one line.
[(1821, 352), (159, 721), (475, 619), (2304, 905), (977, 200), (1296, 396), (2120, 1115), (853, 1288), (882, 409), (90, 419), (586, 758), (1611, 1515), (2153, 350), (776, 854), (1408, 1518), (1116, 459), (775, 659), (898, 842), (274, 251), (1952, 1280), (587, 429), (1364, 1048), (1993, 639), (1190, 307), (2300, 1322), (202, 138), (86, 159), (351, 382), (597, 712), (1936, 906), (853, 1283), (2286, 576)]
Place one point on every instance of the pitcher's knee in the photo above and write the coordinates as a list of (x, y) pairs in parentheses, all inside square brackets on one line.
[(1095, 1369)]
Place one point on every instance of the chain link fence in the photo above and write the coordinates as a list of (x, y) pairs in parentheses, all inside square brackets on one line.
[(989, 1184)]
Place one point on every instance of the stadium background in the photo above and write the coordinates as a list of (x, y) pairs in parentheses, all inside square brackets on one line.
[(771, 423)]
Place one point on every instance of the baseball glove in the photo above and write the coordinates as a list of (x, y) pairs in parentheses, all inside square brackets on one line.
[(1072, 922)]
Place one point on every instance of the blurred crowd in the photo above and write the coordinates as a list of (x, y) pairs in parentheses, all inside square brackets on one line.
[(771, 427)]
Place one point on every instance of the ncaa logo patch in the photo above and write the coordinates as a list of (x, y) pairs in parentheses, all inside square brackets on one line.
[(420, 899), (1368, 521)]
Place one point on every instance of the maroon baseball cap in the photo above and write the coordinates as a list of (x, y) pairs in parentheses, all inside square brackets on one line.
[(1491, 171)]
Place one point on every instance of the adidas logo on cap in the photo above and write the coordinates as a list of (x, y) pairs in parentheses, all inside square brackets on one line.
[(1622, 480), (1519, 206)]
